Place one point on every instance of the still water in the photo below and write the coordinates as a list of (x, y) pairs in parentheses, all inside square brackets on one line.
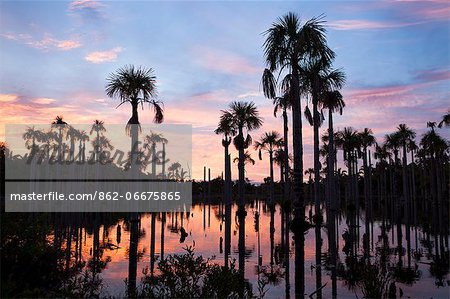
[(204, 229)]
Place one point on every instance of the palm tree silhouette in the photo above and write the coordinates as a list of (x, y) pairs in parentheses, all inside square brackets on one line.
[(333, 102), (282, 103), (405, 135), (150, 142), (135, 86), (31, 136), (227, 129), (72, 134), (318, 78), (366, 140), (60, 125), (244, 118), (98, 127), (269, 142), (82, 138), (287, 44)]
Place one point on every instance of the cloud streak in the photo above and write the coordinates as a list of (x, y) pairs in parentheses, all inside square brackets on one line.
[(103, 56), (367, 24), (46, 43)]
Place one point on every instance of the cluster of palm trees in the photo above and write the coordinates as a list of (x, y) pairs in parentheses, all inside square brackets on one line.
[(300, 66), (53, 141)]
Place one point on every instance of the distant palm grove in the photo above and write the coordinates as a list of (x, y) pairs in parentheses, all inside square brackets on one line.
[(362, 198)]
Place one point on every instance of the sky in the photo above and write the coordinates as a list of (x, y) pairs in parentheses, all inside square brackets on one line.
[(55, 57)]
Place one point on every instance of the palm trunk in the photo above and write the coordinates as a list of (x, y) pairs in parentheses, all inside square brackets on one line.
[(299, 203), (316, 160), (164, 160), (272, 193), (407, 208), (286, 155), (241, 167), (134, 219), (154, 159), (366, 239)]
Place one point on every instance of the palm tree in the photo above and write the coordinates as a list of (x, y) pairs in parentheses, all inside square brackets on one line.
[(226, 128), (31, 136), (445, 120), (269, 142), (392, 143), (48, 138), (405, 135), (150, 142), (436, 150), (72, 134), (318, 78), (333, 101), (287, 44), (244, 118), (135, 86), (366, 140), (174, 170), (82, 137), (282, 103), (60, 125), (98, 127), (349, 142)]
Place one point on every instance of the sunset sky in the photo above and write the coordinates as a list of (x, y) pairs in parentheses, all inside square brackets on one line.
[(55, 57)]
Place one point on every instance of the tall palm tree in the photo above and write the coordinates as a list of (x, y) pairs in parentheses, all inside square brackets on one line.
[(31, 136), (150, 142), (72, 135), (226, 128), (287, 44), (82, 137), (392, 143), (366, 139), (269, 142), (244, 118), (349, 142), (61, 126), (405, 135), (48, 137), (318, 78), (135, 86), (333, 102), (98, 127), (282, 103)]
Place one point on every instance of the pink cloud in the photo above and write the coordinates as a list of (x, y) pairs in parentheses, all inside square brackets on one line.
[(43, 101), (366, 24), (84, 4), (103, 56), (68, 44), (46, 43), (432, 75), (8, 98)]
